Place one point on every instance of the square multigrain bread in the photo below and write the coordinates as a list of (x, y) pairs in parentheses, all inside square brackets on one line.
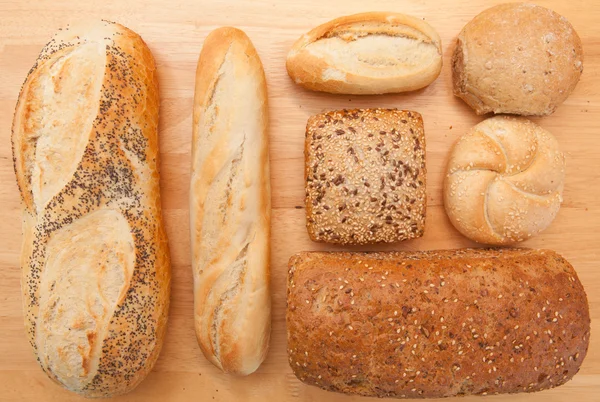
[(365, 176)]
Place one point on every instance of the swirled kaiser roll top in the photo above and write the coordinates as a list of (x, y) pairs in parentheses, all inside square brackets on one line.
[(504, 181), (436, 323), (96, 272)]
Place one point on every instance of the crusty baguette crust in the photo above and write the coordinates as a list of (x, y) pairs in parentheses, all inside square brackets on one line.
[(517, 58), (230, 204), (504, 181), (382, 70), (365, 176), (437, 323), (95, 260)]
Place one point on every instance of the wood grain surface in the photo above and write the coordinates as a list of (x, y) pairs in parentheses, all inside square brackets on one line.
[(174, 30)]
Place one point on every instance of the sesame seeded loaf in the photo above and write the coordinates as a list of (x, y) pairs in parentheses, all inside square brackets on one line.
[(437, 323), (95, 261), (365, 176)]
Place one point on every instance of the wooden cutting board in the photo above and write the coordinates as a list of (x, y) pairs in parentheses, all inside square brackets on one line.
[(175, 30)]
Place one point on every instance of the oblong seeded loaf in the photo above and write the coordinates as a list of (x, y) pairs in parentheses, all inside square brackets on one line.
[(435, 324), (95, 260)]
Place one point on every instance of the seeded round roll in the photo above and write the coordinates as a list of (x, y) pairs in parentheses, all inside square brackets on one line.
[(435, 324), (517, 58), (365, 176)]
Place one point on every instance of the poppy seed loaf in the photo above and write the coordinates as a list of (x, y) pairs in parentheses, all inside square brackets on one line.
[(435, 323), (365, 176), (96, 271)]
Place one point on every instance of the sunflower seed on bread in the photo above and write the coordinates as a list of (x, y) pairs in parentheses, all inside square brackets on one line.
[(365, 176)]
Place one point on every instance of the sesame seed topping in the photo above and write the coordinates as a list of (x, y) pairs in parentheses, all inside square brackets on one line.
[(378, 193)]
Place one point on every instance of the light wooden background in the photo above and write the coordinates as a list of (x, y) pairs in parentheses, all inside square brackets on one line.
[(174, 30)]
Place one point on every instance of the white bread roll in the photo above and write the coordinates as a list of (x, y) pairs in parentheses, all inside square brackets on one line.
[(367, 53), (504, 181), (517, 58), (230, 204), (96, 271)]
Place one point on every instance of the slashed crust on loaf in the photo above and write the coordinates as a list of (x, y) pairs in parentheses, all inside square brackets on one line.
[(95, 260), (517, 58), (367, 53), (504, 181), (436, 323), (365, 176), (230, 204)]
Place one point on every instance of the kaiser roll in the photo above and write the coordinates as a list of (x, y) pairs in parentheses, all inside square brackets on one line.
[(504, 181)]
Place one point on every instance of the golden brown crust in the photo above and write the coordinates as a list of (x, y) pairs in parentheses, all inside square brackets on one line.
[(230, 204), (114, 332), (367, 55), (365, 176), (504, 181), (517, 58), (437, 323)]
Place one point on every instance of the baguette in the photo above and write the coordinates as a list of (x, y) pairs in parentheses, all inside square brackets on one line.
[(435, 324), (95, 261), (367, 53), (230, 204)]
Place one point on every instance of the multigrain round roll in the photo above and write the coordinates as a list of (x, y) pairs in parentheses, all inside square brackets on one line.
[(504, 181), (517, 58)]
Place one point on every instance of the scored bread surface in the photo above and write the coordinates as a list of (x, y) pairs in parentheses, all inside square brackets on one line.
[(95, 260), (365, 176), (437, 323), (230, 204), (367, 53)]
